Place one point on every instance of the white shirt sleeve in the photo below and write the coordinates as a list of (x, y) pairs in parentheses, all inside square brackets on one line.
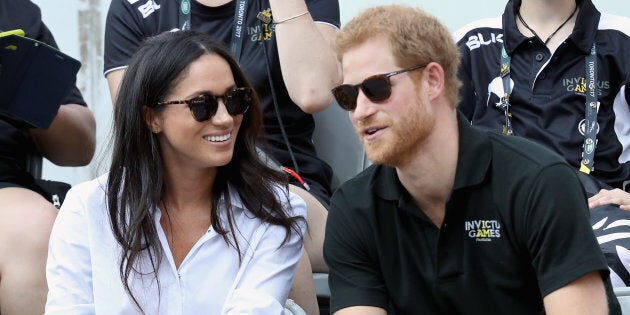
[(68, 269), (266, 275)]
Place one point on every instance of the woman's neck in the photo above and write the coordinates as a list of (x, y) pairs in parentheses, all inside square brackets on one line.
[(541, 14), (213, 3), (551, 20)]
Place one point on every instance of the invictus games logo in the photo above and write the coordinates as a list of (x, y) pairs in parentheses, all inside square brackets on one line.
[(483, 230), (578, 85), (262, 31)]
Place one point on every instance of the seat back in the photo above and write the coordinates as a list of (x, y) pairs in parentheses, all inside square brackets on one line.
[(337, 144), (34, 165)]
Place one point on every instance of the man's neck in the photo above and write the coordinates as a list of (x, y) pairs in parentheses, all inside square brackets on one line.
[(430, 176)]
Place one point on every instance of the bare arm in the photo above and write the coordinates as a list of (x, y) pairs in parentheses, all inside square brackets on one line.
[(309, 65), (71, 138), (114, 78), (586, 295), (361, 310)]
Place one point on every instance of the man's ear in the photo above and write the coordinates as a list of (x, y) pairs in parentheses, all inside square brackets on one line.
[(152, 120), (434, 75)]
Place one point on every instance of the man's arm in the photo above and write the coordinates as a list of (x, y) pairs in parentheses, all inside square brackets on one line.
[(71, 138), (586, 295), (361, 310)]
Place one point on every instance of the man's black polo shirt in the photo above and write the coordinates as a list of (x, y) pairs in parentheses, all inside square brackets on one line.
[(516, 228)]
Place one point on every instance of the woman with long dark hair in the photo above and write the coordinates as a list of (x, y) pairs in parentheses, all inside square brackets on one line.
[(188, 220)]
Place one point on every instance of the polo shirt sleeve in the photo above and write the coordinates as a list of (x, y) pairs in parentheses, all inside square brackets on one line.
[(324, 11), (123, 33), (354, 274), (557, 229)]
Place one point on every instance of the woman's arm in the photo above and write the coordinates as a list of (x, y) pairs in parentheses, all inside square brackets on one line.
[(309, 65), (69, 269)]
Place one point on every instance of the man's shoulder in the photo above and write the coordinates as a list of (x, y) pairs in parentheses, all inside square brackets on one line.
[(519, 150), (359, 192), (365, 178)]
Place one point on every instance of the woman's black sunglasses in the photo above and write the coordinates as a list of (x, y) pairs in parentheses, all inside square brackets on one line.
[(204, 106), (377, 88)]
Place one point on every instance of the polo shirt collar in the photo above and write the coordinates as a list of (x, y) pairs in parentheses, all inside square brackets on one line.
[(473, 162), (475, 154), (583, 34)]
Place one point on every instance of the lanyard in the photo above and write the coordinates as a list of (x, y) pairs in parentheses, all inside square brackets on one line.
[(240, 14), (590, 108)]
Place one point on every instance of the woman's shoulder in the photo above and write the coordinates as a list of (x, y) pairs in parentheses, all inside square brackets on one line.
[(87, 195)]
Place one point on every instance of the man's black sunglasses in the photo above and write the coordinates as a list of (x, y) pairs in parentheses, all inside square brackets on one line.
[(204, 106), (377, 88)]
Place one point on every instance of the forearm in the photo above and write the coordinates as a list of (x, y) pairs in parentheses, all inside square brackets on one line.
[(309, 65), (71, 138)]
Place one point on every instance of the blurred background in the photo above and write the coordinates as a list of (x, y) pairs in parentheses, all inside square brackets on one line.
[(78, 27)]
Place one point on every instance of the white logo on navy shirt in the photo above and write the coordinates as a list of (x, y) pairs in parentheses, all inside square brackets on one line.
[(476, 41), (148, 8)]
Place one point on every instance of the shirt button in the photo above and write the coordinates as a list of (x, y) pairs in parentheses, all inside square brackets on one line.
[(540, 57), (542, 76)]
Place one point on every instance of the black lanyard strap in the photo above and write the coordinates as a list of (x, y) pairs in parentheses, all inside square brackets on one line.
[(184, 15), (504, 104), (240, 14), (590, 109)]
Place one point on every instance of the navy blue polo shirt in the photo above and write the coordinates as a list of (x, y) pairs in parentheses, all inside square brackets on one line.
[(548, 95), (516, 229)]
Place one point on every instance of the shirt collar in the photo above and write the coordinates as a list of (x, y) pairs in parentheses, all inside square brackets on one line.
[(583, 34), (473, 162)]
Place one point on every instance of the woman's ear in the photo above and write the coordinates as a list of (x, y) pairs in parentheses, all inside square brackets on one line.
[(152, 120)]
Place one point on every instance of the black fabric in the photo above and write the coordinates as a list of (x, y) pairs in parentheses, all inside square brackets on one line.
[(53, 191), (516, 228), (547, 101), (15, 142), (129, 22)]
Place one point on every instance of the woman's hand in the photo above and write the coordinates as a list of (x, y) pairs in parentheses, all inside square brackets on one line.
[(615, 196)]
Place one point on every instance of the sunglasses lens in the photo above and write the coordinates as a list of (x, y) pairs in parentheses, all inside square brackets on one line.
[(346, 96), (377, 88), (238, 101), (203, 107)]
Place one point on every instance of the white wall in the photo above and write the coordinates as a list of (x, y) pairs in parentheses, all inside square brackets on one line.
[(78, 26)]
